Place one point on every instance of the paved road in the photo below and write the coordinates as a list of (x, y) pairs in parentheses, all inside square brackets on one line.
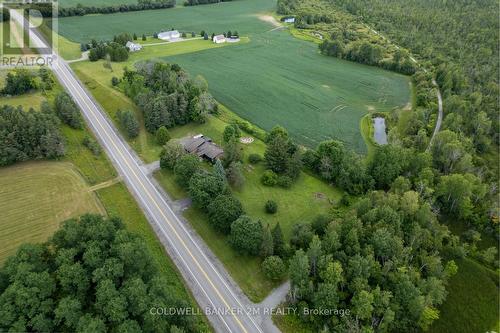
[(211, 288)]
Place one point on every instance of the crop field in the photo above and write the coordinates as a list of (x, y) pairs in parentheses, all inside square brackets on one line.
[(273, 79), (35, 198), (238, 15), (276, 79)]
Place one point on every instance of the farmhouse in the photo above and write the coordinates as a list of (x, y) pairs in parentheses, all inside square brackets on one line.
[(169, 35), (203, 147), (133, 47), (218, 39)]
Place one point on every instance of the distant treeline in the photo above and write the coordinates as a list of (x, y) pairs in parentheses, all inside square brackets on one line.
[(202, 2), (81, 10)]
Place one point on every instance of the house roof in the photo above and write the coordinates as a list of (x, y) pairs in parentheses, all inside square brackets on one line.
[(202, 146), (219, 37)]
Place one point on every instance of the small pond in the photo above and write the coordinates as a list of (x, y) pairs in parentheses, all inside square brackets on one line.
[(380, 135)]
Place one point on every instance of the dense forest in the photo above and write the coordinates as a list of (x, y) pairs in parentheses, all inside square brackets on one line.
[(451, 178), (91, 276)]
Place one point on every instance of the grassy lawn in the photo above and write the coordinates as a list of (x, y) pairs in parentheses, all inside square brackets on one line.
[(245, 270), (472, 302), (303, 201), (366, 127), (35, 197)]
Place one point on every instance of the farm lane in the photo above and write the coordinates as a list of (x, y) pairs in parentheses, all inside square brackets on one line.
[(211, 290)]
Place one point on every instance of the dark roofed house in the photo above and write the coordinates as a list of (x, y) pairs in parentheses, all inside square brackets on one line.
[(203, 147)]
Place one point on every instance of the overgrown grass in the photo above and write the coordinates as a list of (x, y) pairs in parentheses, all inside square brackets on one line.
[(472, 302)]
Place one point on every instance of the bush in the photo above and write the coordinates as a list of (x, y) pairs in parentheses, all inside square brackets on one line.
[(185, 168), (273, 268), (67, 111), (223, 211), (269, 178), (128, 122), (271, 207), (162, 135), (171, 153), (204, 187), (254, 158), (320, 224), (246, 235), (285, 181), (115, 81), (92, 145)]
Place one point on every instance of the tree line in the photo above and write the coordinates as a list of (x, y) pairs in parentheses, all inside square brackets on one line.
[(80, 9), (202, 2), (92, 275), (167, 96)]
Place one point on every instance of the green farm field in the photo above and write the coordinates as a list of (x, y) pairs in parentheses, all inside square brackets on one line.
[(275, 78), (35, 197)]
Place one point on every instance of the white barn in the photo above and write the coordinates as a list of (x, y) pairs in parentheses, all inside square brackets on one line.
[(218, 39), (169, 35), (133, 47)]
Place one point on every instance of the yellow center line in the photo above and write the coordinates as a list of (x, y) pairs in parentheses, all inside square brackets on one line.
[(161, 212)]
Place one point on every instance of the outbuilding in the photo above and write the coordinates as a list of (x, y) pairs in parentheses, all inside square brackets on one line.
[(169, 35), (133, 47), (218, 39)]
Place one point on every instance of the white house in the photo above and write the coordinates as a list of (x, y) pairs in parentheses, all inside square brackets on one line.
[(133, 47), (218, 39), (289, 19), (169, 35)]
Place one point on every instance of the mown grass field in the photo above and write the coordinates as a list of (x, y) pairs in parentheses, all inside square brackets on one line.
[(273, 79), (35, 197)]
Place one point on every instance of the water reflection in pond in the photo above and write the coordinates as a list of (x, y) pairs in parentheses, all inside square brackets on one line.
[(380, 136)]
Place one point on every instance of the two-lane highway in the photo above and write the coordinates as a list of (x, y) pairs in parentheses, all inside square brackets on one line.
[(229, 314)]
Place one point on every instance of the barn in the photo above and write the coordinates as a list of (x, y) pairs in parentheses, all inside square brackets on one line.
[(169, 35)]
